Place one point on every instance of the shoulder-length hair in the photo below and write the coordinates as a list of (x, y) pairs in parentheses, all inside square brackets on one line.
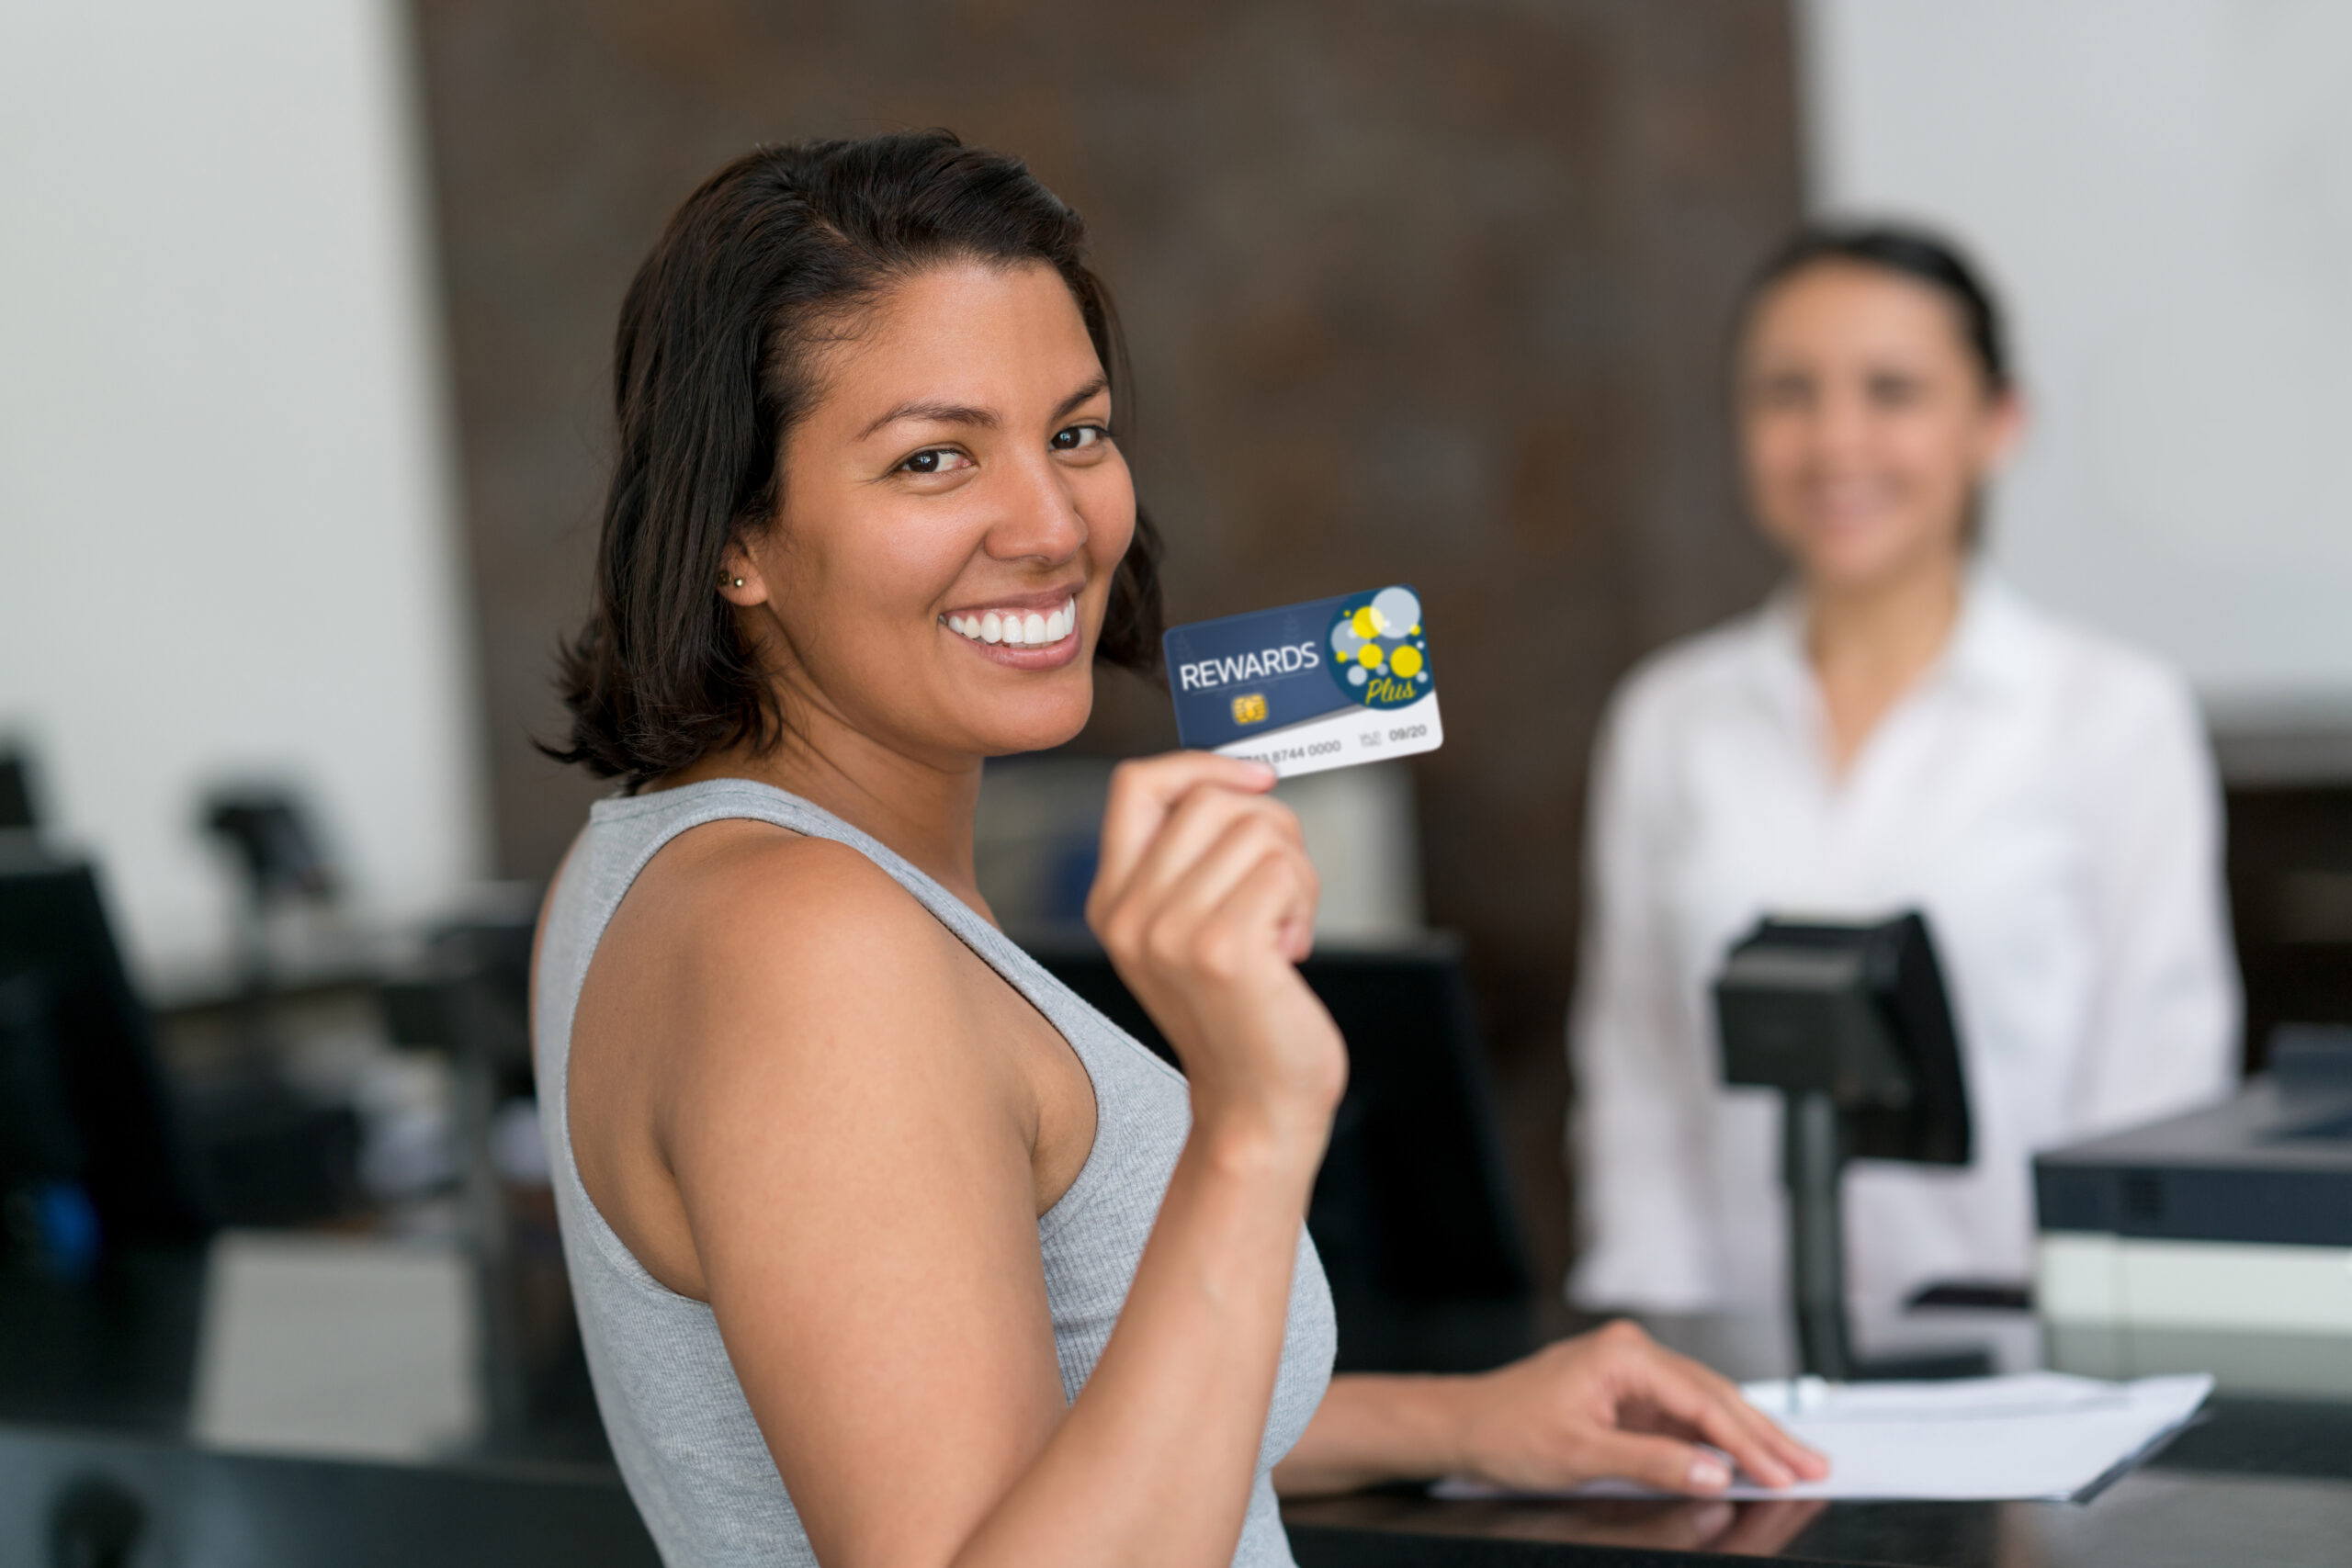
[(771, 259)]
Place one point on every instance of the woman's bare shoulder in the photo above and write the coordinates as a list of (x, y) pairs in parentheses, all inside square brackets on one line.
[(786, 925), (764, 1010)]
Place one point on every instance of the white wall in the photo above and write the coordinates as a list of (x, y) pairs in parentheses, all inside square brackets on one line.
[(2162, 190), (226, 541)]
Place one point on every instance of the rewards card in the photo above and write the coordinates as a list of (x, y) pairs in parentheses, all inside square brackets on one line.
[(1309, 686)]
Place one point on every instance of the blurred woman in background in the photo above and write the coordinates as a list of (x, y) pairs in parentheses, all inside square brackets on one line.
[(1895, 728)]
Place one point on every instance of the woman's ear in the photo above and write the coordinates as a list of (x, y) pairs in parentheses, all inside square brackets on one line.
[(739, 582), (2004, 425)]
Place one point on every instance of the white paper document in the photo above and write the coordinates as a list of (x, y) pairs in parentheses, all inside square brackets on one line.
[(2039, 1435)]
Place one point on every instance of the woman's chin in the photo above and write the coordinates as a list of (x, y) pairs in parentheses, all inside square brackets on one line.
[(1041, 727), (1866, 565)]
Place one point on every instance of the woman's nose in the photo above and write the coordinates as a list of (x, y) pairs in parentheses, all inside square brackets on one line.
[(1830, 435), (1840, 427), (1039, 518)]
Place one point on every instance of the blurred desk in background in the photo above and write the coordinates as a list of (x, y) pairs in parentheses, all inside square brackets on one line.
[(78, 1497)]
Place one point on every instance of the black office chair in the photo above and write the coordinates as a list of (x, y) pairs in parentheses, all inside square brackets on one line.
[(91, 1151), (18, 810)]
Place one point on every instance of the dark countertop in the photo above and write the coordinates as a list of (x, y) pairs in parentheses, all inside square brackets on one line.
[(93, 1386), (84, 1499), (147, 1501), (2154, 1517)]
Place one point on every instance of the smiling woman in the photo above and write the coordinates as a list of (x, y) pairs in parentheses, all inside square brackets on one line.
[(888, 1249)]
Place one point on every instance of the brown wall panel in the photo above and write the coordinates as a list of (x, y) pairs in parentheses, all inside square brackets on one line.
[(1417, 292)]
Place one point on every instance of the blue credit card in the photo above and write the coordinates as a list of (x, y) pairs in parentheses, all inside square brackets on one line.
[(1309, 686)]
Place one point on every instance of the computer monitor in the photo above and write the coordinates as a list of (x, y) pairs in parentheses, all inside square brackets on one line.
[(1411, 1212), (76, 1032), (1856, 1012)]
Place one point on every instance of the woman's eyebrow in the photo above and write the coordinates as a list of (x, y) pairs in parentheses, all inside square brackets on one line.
[(967, 414), (1092, 388), (935, 413)]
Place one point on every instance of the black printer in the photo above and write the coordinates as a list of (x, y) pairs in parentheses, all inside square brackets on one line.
[(2219, 1240)]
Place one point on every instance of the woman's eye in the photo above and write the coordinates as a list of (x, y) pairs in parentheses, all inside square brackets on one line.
[(935, 461), (1893, 391), (1078, 437)]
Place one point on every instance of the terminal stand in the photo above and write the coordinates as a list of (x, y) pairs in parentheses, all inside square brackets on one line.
[(1813, 1163), (1850, 1024)]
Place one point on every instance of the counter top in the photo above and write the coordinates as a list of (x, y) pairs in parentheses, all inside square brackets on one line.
[(2267, 1483)]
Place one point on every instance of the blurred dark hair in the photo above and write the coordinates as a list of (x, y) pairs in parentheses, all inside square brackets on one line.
[(1915, 253), (772, 259)]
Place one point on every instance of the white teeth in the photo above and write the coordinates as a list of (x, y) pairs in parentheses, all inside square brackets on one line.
[(1017, 630)]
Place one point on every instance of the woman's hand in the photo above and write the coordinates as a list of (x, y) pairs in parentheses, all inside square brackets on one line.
[(1614, 1402), (1205, 903), (1607, 1404)]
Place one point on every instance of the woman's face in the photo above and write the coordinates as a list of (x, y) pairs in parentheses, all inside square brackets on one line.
[(1866, 422), (953, 509)]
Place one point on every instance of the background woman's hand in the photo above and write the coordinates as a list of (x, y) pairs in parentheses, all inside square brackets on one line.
[(1205, 903), (1614, 1402)]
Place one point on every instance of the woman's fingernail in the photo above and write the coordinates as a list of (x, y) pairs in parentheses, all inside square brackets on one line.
[(1707, 1475)]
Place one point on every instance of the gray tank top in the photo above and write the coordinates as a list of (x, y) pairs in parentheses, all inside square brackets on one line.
[(683, 1434)]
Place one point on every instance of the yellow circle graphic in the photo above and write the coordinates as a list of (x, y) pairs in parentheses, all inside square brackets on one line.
[(1375, 649)]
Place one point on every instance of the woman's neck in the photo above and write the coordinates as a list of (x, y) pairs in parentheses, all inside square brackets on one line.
[(1870, 645), (921, 809)]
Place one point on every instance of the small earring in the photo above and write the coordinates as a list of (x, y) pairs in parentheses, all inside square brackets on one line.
[(739, 582)]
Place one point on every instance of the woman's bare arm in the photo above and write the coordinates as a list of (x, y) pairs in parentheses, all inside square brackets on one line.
[(855, 1173)]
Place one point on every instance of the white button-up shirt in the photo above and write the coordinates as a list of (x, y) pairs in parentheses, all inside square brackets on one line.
[(2045, 796)]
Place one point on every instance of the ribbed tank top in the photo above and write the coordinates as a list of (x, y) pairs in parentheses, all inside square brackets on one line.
[(680, 1430)]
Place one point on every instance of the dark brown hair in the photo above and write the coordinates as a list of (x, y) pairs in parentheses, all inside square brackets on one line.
[(1915, 254), (1921, 257), (774, 258)]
